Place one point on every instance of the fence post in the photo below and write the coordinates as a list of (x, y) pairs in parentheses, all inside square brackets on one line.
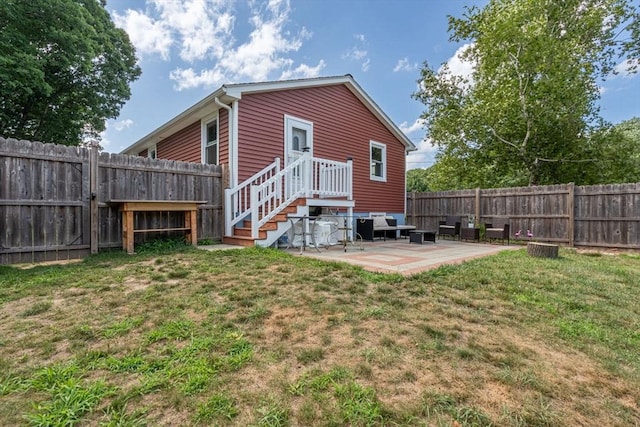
[(571, 209), (93, 194), (478, 205)]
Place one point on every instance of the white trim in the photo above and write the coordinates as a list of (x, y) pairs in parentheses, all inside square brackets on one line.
[(383, 147), (204, 122), (154, 149), (289, 123)]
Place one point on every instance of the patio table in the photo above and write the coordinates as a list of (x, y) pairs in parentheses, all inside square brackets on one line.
[(420, 236)]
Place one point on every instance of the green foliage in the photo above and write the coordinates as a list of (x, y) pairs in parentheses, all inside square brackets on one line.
[(37, 308), (218, 406), (63, 65), (528, 114), (163, 245), (70, 397)]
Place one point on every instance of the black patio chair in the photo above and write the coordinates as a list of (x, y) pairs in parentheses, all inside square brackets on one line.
[(450, 226), (497, 229)]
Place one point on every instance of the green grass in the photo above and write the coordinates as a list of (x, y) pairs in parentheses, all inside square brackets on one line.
[(176, 336)]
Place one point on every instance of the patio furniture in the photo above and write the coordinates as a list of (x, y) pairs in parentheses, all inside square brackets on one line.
[(405, 229), (498, 228), (420, 236), (470, 233), (377, 225), (450, 227)]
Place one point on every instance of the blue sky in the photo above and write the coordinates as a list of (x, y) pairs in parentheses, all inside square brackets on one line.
[(188, 48)]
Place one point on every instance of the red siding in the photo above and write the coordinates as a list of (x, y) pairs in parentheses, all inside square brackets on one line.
[(342, 127), (184, 145), (223, 136), (143, 153)]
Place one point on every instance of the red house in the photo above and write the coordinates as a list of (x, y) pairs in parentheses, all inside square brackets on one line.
[(311, 143)]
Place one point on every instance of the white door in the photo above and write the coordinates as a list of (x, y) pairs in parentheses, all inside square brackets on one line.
[(298, 135)]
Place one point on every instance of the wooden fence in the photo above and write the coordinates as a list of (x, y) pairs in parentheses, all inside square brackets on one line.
[(598, 215), (54, 198)]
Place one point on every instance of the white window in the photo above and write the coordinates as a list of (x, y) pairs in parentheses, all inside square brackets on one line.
[(378, 157), (152, 152), (210, 142)]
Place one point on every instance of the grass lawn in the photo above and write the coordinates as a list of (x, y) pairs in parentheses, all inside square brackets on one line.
[(258, 337)]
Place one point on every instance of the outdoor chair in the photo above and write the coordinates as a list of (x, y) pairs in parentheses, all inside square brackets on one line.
[(498, 228), (450, 226)]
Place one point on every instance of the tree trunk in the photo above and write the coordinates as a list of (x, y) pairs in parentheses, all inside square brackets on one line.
[(542, 250)]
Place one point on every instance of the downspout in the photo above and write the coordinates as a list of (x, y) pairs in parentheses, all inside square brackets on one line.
[(227, 197)]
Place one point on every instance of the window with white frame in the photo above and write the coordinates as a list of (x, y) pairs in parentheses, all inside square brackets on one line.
[(378, 157), (210, 133), (152, 153)]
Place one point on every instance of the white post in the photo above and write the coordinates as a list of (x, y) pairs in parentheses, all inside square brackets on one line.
[(254, 211), (349, 178), (279, 181), (228, 212), (307, 172), (353, 223)]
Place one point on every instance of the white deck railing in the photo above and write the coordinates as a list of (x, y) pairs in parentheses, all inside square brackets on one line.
[(267, 193), (238, 198)]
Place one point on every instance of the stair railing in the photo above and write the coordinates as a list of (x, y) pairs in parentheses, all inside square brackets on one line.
[(238, 198), (271, 190), (275, 194)]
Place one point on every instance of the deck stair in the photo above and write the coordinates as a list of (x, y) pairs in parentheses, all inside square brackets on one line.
[(271, 231), (257, 210)]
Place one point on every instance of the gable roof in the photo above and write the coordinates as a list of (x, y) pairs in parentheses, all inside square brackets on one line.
[(232, 92)]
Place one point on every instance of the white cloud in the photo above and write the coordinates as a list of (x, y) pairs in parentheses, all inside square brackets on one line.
[(188, 78), (626, 68), (201, 27), (423, 157), (203, 32), (416, 126), (303, 71), (404, 65), (358, 52), (461, 67), (355, 54), (147, 35), (366, 64), (123, 124)]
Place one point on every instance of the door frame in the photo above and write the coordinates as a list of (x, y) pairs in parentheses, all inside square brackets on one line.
[(289, 123)]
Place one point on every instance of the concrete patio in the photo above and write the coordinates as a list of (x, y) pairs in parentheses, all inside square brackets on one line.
[(400, 256)]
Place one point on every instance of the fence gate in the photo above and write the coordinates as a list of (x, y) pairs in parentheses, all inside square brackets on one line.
[(44, 202)]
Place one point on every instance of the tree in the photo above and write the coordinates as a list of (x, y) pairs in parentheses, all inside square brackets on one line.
[(63, 66), (621, 153), (529, 112)]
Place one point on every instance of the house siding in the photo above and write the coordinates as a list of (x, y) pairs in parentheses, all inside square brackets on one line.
[(223, 136), (186, 144), (342, 127), (183, 145)]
